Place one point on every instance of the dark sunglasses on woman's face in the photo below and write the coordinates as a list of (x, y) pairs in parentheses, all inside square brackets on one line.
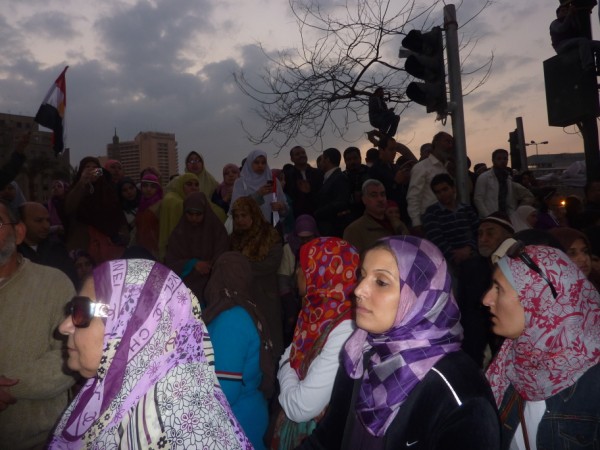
[(517, 250), (83, 309)]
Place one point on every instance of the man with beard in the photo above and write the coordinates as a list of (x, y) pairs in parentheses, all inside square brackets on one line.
[(33, 386)]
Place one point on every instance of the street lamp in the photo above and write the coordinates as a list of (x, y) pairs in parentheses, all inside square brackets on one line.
[(536, 145)]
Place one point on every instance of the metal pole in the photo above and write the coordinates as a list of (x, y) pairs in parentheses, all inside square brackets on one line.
[(456, 103), (589, 130), (522, 148)]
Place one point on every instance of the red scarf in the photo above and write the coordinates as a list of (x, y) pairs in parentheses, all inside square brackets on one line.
[(329, 265)]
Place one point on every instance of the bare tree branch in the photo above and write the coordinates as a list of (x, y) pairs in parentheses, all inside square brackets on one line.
[(344, 54)]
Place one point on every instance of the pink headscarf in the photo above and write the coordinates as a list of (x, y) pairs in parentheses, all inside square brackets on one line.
[(145, 202), (561, 339)]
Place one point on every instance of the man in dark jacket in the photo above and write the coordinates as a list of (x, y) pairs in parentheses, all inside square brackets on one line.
[(302, 182), (333, 200)]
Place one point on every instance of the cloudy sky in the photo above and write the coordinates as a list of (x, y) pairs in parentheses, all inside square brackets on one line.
[(168, 65)]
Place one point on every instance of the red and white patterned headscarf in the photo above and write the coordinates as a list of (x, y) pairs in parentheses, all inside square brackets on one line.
[(561, 339), (329, 265)]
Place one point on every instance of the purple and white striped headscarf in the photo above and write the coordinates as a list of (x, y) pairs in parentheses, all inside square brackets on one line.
[(156, 382), (427, 327)]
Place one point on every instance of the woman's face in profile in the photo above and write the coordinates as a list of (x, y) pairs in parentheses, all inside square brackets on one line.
[(508, 315), (84, 345), (378, 292)]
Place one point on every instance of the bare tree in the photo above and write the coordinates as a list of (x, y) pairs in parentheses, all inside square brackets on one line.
[(345, 53)]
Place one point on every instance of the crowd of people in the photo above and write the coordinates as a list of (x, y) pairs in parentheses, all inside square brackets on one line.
[(301, 307)]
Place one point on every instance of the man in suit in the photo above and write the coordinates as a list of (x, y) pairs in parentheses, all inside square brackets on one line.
[(332, 211), (302, 182)]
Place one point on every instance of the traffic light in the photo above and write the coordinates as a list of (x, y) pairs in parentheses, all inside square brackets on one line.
[(515, 152), (426, 62)]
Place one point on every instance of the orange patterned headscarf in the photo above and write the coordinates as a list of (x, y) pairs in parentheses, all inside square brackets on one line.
[(329, 265)]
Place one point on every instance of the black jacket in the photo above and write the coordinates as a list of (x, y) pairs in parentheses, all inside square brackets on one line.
[(451, 408), (333, 205), (303, 203)]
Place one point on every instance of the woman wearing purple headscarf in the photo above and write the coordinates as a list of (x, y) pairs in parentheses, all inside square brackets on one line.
[(135, 331), (405, 383)]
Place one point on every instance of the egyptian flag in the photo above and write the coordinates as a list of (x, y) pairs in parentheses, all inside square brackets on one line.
[(52, 111)]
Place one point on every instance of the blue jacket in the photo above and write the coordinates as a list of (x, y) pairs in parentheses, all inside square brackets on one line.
[(237, 352), (571, 420)]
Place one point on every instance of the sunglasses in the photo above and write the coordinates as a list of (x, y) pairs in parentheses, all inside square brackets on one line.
[(83, 309), (517, 250)]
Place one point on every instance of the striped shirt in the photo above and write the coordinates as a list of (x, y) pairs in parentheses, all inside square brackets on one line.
[(450, 230)]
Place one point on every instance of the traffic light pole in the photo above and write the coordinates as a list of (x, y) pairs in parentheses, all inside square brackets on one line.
[(456, 103), (589, 130), (521, 140)]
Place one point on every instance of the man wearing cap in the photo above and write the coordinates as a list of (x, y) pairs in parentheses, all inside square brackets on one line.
[(493, 231), (33, 386), (475, 278)]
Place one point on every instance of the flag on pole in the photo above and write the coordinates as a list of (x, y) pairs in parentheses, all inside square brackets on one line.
[(52, 111)]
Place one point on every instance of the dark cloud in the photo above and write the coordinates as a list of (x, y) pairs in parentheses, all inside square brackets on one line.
[(50, 25), (153, 36), (12, 42)]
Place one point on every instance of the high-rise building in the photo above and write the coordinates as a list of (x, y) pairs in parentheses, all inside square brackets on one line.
[(148, 149)]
